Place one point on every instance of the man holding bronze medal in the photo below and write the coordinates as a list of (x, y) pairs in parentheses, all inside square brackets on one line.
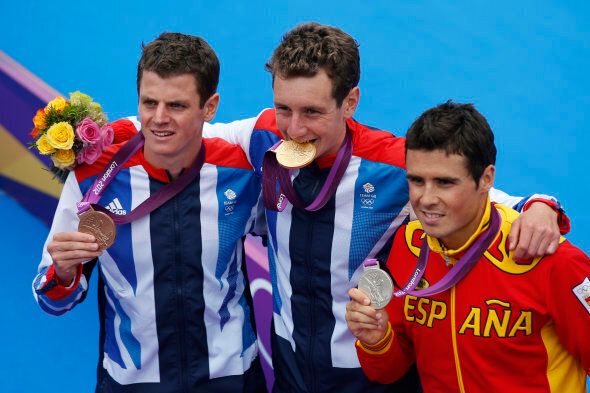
[(162, 217), (471, 317)]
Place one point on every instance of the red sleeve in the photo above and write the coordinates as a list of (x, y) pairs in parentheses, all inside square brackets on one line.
[(562, 219), (568, 299), (123, 129), (58, 291)]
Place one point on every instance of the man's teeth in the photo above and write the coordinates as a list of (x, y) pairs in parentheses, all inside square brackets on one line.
[(161, 133), (432, 215)]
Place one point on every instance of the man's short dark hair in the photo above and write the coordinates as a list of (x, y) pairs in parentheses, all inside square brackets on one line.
[(456, 129), (173, 54), (311, 47)]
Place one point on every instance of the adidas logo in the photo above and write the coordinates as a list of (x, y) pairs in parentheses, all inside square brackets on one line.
[(115, 207)]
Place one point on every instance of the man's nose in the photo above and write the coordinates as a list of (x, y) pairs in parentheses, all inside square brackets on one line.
[(161, 114), (429, 195), (297, 129)]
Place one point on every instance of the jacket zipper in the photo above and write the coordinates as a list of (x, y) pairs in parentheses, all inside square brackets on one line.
[(454, 337), (311, 306), (180, 300)]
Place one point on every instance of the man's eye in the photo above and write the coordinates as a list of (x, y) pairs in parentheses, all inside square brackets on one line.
[(445, 182)]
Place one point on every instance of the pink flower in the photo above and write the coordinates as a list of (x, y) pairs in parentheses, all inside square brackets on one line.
[(89, 154), (88, 131), (107, 135)]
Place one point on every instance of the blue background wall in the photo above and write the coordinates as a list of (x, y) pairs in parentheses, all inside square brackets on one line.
[(524, 65)]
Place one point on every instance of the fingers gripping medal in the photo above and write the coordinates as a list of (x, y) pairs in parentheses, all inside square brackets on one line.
[(99, 225), (294, 155), (376, 284)]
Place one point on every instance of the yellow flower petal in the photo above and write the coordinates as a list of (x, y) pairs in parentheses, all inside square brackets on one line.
[(61, 135)]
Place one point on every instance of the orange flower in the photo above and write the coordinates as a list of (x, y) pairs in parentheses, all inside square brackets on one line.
[(39, 119), (34, 133)]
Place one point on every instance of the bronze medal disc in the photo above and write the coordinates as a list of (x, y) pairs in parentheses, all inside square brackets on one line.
[(293, 155), (99, 225)]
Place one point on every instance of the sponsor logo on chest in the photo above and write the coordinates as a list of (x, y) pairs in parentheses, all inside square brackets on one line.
[(230, 201), (367, 196), (115, 207)]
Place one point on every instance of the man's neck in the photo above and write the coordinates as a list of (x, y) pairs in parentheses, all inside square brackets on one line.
[(174, 164)]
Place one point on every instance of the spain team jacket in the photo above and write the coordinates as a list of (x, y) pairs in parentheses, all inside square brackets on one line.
[(175, 311), (316, 257), (506, 327)]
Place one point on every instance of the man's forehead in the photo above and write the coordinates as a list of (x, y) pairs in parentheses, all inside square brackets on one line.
[(168, 87), (437, 160), (303, 91)]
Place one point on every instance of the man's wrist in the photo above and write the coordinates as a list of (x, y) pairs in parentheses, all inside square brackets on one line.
[(381, 345)]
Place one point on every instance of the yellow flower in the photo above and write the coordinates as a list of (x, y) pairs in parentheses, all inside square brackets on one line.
[(63, 158), (61, 135), (78, 98), (43, 145), (58, 103)]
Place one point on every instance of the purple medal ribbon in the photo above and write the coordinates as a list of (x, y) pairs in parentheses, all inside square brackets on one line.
[(461, 268), (272, 172), (156, 200)]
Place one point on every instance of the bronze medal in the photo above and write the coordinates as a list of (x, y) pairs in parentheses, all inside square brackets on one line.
[(99, 225), (293, 155)]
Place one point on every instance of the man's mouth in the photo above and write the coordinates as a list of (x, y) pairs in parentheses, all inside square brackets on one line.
[(162, 134), (432, 215)]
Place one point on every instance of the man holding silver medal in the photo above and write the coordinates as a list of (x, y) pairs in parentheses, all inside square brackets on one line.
[(335, 192), (465, 311), (174, 305)]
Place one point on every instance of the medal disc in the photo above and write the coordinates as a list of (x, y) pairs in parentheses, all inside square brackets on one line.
[(293, 155), (99, 225), (377, 285)]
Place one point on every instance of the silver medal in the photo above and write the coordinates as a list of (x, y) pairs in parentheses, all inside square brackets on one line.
[(377, 285)]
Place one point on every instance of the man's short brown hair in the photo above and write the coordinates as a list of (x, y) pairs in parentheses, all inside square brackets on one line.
[(173, 54), (311, 47)]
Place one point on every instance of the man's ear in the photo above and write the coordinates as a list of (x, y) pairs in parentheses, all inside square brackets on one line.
[(210, 107), (486, 181), (351, 101)]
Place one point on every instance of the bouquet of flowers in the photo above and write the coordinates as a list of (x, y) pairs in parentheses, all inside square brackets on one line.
[(71, 132)]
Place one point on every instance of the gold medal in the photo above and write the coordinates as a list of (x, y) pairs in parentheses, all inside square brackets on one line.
[(293, 155), (99, 225)]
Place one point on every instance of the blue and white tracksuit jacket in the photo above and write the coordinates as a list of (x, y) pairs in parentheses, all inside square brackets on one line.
[(175, 309), (316, 257)]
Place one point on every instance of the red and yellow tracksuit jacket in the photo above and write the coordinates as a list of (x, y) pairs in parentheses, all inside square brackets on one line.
[(506, 327)]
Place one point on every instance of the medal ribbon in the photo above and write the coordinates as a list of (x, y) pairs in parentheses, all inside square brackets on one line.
[(272, 172), (156, 200), (459, 270)]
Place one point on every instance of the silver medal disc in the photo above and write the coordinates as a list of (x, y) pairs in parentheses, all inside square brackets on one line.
[(377, 285)]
